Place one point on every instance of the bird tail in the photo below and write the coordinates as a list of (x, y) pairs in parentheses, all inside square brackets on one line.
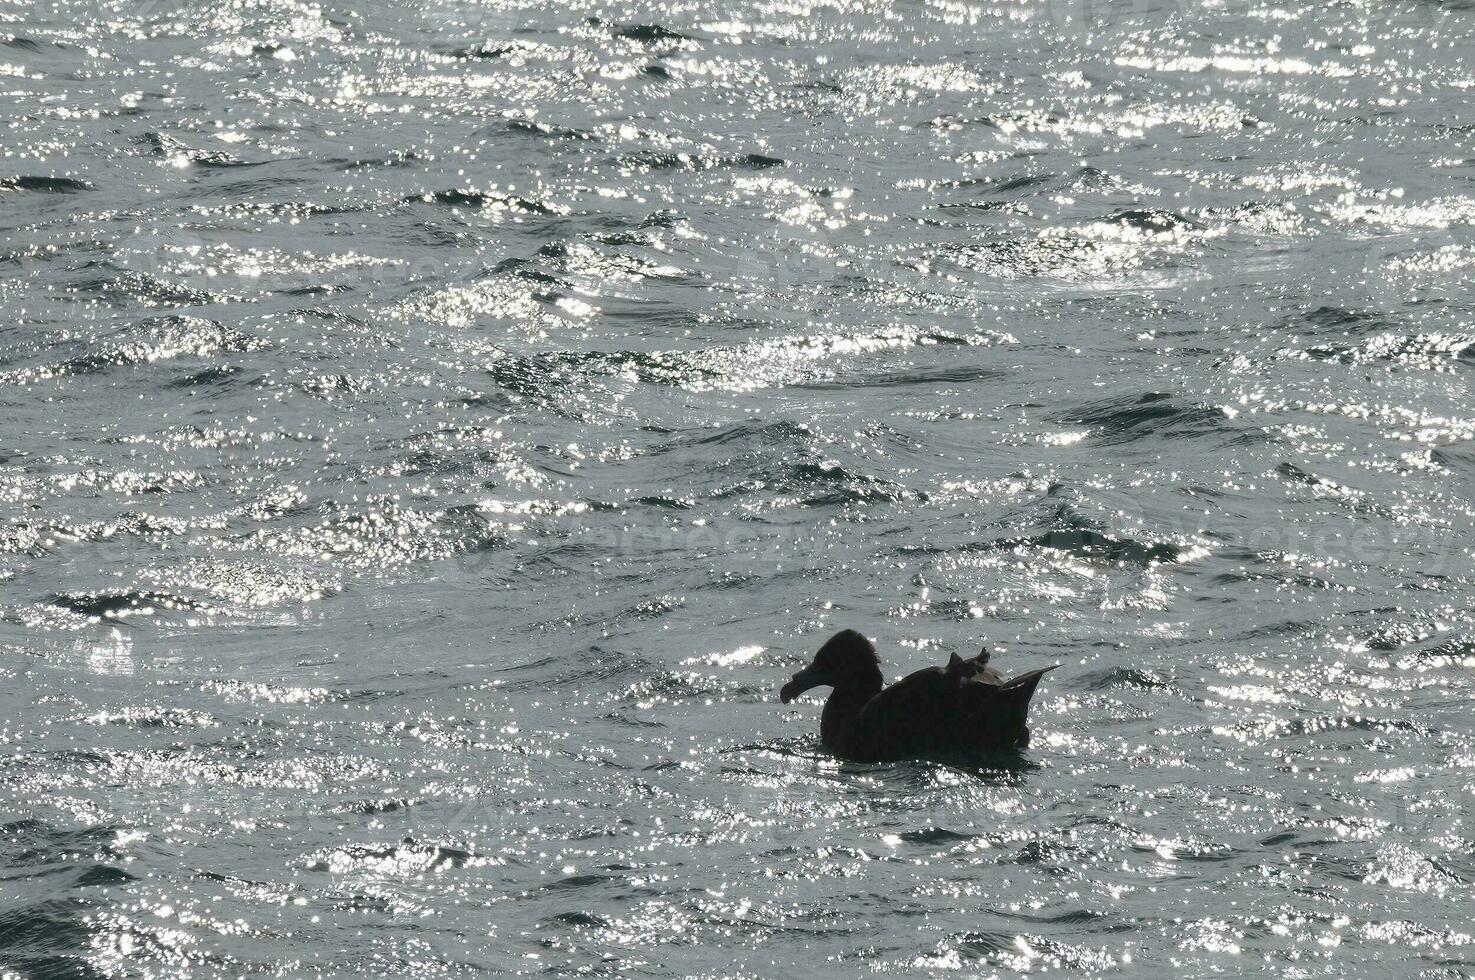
[(1025, 684), (1013, 703)]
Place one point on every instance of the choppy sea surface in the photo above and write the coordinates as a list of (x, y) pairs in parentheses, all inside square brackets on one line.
[(430, 433)]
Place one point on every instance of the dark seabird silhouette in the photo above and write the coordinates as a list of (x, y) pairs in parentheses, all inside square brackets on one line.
[(964, 707)]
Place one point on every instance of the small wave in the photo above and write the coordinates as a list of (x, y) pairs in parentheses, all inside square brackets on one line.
[(146, 342), (120, 284), (1058, 255), (1021, 182), (379, 537), (49, 939), (1430, 352), (246, 584), (154, 717), (1451, 651), (1128, 678), (763, 364), (19, 42), (1151, 221), (784, 432), (405, 860)]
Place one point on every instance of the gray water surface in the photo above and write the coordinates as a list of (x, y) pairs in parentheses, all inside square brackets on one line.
[(430, 434)]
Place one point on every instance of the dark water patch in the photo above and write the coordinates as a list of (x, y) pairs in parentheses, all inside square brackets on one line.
[(779, 362), (577, 882), (577, 920), (1008, 207), (1093, 179), (487, 51), (1052, 855), (103, 876), (784, 432), (124, 287), (1125, 678), (332, 316), (1451, 651), (929, 377), (622, 238), (145, 718), (1339, 319), (210, 377), (1295, 474), (668, 687), (1279, 629), (1098, 546), (596, 665), (376, 807), (49, 940), (44, 185), (1350, 498), (17, 42), (1433, 352), (1063, 256), (147, 341), (663, 219), (458, 197), (32, 842), (50, 252), (268, 49), (936, 835), (1342, 868), (1151, 220), (168, 147), (1069, 917), (397, 158), (647, 33), (1128, 418), (650, 160), (1394, 636), (528, 127), (628, 721), (667, 503), (362, 903), (1195, 851), (816, 484), (409, 857), (1021, 182), (290, 209), (121, 604), (1281, 578), (80, 759)]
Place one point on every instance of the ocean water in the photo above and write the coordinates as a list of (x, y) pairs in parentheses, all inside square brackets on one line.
[(430, 433)]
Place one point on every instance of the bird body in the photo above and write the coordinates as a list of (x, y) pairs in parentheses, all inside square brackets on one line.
[(937, 711)]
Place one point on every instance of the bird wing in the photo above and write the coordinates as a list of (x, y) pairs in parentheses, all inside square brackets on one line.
[(993, 713)]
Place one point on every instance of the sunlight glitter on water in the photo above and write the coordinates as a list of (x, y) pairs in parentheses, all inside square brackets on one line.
[(432, 435)]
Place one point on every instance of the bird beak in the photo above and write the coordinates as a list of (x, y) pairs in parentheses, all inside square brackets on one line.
[(811, 676)]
